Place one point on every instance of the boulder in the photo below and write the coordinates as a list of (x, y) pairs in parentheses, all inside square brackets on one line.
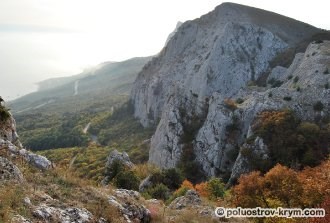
[(123, 157), (190, 199), (9, 171), (67, 215), (129, 204)]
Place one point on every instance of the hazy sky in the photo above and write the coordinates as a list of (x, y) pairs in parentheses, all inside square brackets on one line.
[(40, 39)]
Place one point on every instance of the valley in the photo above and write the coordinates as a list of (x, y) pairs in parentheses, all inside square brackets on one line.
[(233, 112)]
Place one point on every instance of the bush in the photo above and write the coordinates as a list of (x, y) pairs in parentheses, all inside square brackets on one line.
[(239, 100), (326, 85), (295, 79), (127, 180), (318, 106), (287, 98), (290, 141), (159, 191), (189, 166), (185, 186), (4, 114), (216, 188), (326, 71), (275, 83), (202, 189), (230, 104), (114, 169), (173, 178)]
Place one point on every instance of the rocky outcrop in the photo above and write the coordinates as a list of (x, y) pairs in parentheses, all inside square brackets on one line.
[(35, 160), (9, 141), (8, 131), (68, 215), (122, 157), (191, 198), (129, 204), (116, 156), (9, 171), (190, 89), (242, 165)]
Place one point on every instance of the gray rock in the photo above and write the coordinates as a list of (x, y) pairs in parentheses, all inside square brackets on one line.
[(38, 161), (190, 199), (9, 141), (27, 202), (116, 156), (20, 219), (242, 165), (76, 215), (207, 61), (278, 73), (215, 58), (145, 184), (67, 215), (9, 171), (129, 204), (123, 157)]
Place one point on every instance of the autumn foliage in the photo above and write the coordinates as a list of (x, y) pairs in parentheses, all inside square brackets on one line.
[(283, 187), (291, 141), (202, 189)]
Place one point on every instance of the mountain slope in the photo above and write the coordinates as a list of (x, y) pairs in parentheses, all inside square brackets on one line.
[(191, 87), (107, 79), (56, 116)]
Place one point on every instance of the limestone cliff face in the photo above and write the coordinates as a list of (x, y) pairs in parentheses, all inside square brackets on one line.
[(215, 58), (8, 131), (9, 141)]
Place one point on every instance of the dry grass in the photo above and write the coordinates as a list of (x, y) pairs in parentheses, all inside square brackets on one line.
[(61, 184), (145, 169)]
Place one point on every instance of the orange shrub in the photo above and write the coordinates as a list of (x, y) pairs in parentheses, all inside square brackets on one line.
[(202, 189), (185, 186)]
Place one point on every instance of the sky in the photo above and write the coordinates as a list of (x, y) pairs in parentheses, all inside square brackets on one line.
[(41, 39)]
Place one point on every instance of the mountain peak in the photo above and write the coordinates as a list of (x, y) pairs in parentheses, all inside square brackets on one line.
[(209, 61), (286, 28)]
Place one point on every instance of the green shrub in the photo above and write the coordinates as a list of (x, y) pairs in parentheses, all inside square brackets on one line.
[(290, 141), (190, 169), (275, 83), (326, 85), (295, 79), (114, 169), (173, 178), (159, 191), (287, 98), (4, 114), (318, 106), (216, 188), (239, 100), (127, 180)]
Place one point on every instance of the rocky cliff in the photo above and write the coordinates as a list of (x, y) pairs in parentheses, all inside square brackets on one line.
[(189, 90), (9, 142)]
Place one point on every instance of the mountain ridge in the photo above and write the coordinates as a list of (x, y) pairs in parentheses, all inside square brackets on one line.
[(189, 90)]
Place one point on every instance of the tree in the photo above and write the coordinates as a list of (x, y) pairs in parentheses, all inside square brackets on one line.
[(202, 189), (283, 185), (316, 183), (249, 192), (127, 180), (216, 188)]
